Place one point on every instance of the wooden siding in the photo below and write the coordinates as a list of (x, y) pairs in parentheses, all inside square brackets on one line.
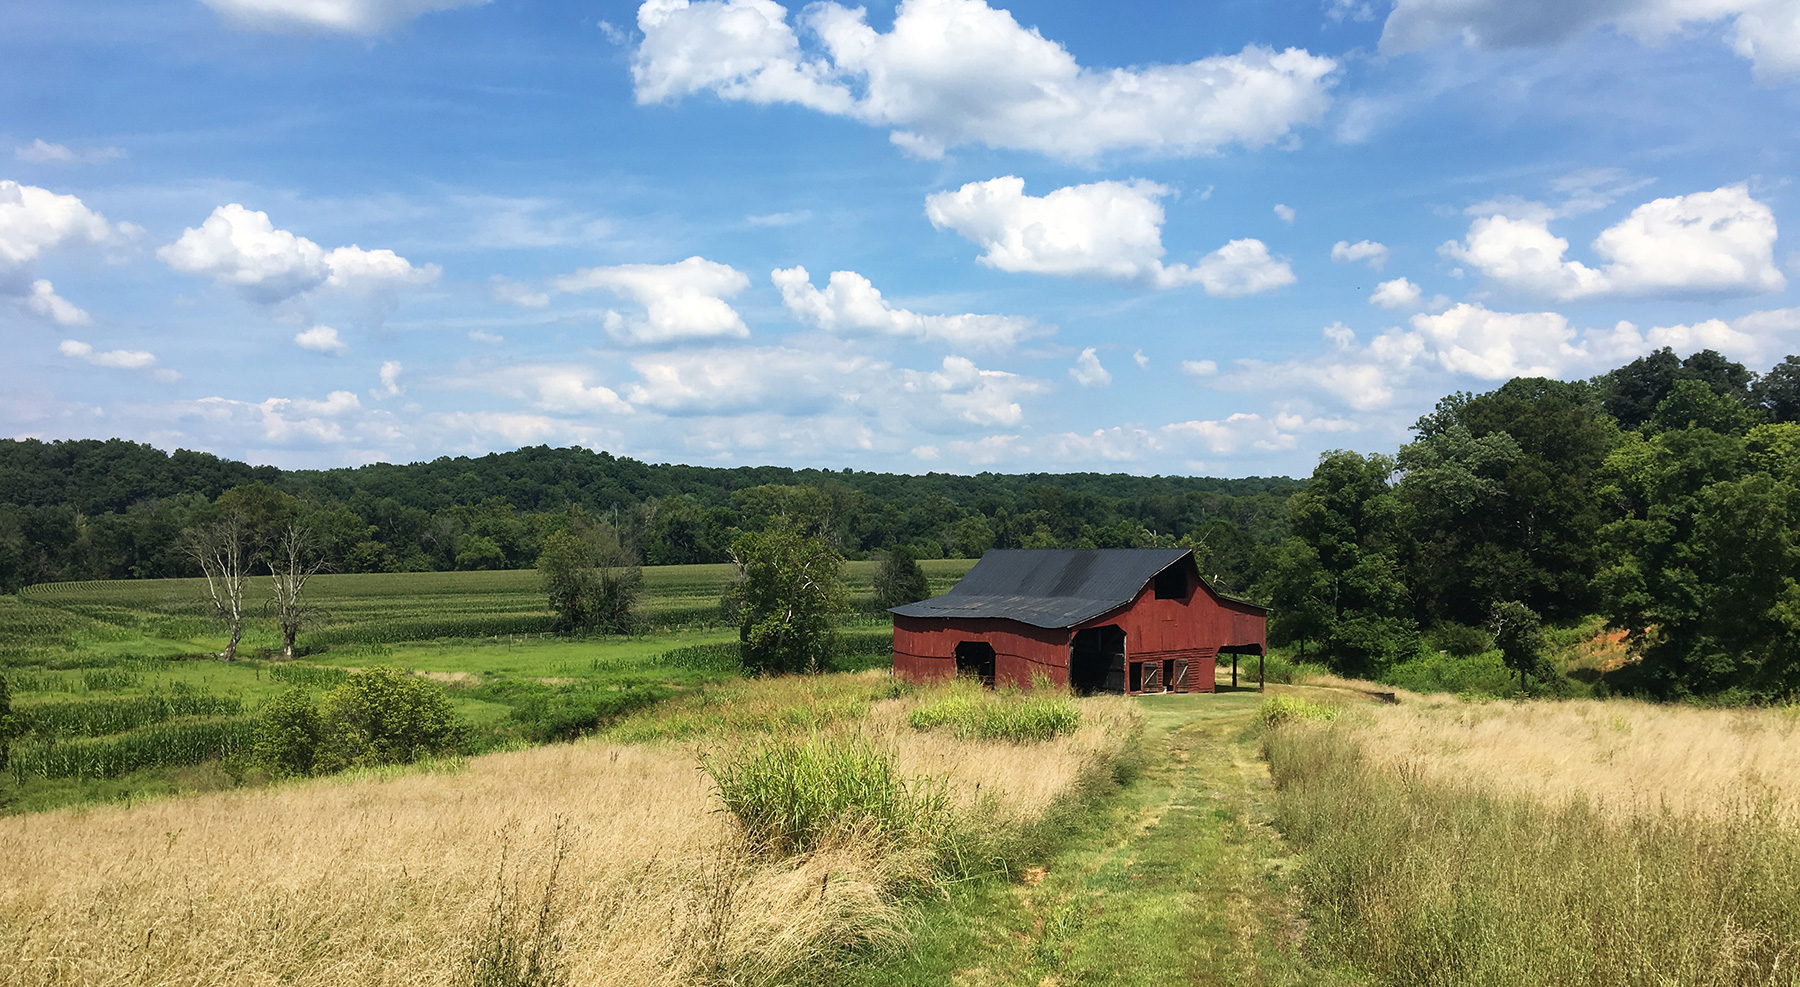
[(1189, 630)]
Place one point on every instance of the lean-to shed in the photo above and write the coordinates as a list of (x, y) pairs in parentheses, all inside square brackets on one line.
[(1125, 620)]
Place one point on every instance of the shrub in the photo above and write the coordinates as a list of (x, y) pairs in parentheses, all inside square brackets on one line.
[(384, 716), (1277, 710), (1460, 640), (973, 713), (287, 734), (793, 795), (1283, 668), (564, 714)]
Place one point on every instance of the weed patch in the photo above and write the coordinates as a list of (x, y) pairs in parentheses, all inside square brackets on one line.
[(974, 713)]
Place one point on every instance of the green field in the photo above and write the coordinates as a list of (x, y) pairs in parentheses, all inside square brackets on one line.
[(119, 696)]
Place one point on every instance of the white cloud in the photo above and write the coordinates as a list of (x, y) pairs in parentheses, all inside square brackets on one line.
[(1720, 241), (1755, 337), (1199, 368), (850, 303), (34, 220), (1284, 213), (927, 453), (1087, 370), (240, 247), (1472, 340), (562, 390), (776, 219), (41, 151), (682, 301), (1765, 31), (1143, 361), (43, 300), (356, 17), (505, 289), (477, 336), (763, 378), (955, 72), (321, 339), (1104, 230), (116, 359), (390, 381), (1232, 434), (984, 397), (1345, 252), (1240, 268), (1398, 293)]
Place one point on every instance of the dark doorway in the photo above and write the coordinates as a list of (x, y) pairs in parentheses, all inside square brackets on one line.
[(1097, 660), (976, 658)]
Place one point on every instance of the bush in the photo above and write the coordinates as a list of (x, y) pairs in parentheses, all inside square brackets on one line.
[(1277, 710), (1281, 667), (793, 795), (287, 734), (385, 716), (973, 713), (378, 716), (1460, 640)]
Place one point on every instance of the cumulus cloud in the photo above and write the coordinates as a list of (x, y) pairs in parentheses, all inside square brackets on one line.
[(353, 17), (984, 397), (1398, 293), (321, 339), (1284, 213), (850, 303), (116, 359), (1199, 368), (1720, 241), (241, 248), (390, 381), (43, 300), (283, 420), (1767, 32), (1756, 337), (1087, 370), (1224, 436), (956, 72), (556, 388), (41, 151), (1374, 254), (681, 301), (1107, 230)]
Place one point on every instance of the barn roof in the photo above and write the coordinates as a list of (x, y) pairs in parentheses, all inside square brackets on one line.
[(1049, 587)]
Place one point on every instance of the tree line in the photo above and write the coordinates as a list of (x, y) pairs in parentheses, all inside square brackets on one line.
[(1663, 495), (111, 509)]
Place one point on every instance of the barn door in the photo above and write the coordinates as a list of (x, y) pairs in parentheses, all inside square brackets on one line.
[(1152, 676)]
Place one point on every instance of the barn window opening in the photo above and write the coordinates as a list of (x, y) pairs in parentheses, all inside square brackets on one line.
[(1097, 660), (1172, 584), (976, 658)]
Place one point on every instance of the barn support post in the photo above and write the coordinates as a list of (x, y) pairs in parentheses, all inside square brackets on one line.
[(1234, 669)]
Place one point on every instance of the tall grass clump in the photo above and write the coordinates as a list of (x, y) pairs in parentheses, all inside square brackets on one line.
[(1420, 880), (1277, 710), (795, 795), (973, 713), (515, 950), (1279, 667)]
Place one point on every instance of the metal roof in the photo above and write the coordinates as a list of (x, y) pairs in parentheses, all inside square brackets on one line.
[(1049, 587)]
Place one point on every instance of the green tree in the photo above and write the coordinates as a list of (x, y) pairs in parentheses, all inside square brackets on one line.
[(898, 579), (1519, 634), (1693, 404), (590, 578), (1777, 392), (789, 588), (1344, 572), (384, 716)]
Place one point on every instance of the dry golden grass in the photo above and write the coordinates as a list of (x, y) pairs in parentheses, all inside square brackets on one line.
[(388, 879), (1624, 756)]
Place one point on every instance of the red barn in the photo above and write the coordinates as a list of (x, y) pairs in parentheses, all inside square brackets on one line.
[(1126, 620)]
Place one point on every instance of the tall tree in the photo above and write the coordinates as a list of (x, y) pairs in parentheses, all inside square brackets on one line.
[(898, 579), (590, 577), (223, 551), (1519, 634), (1777, 392), (295, 558), (789, 588)]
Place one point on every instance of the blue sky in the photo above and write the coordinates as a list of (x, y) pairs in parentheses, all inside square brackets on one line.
[(933, 235)]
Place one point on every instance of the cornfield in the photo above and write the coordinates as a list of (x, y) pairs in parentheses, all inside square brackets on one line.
[(162, 745), (98, 717)]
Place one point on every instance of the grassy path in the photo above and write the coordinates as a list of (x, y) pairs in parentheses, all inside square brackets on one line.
[(1179, 880)]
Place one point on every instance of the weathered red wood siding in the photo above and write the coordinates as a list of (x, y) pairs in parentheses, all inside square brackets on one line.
[(1191, 629), (925, 648)]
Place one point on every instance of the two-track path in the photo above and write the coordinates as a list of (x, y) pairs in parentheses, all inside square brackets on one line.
[(1177, 880)]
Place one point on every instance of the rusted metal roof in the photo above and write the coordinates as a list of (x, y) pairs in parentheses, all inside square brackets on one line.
[(1049, 587)]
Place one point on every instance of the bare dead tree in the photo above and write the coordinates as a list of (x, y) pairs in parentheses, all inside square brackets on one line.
[(295, 558), (222, 550)]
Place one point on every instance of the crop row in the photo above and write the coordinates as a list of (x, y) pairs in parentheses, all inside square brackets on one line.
[(164, 745), (98, 717), (85, 680)]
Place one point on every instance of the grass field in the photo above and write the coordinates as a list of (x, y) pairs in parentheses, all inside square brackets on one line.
[(96, 668)]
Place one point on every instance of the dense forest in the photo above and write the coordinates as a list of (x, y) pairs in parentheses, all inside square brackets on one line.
[(113, 509)]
